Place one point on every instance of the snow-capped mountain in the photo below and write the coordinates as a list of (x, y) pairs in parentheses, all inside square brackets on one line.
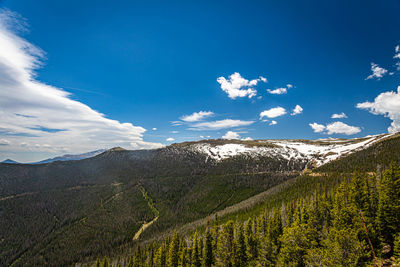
[(73, 157), (317, 152)]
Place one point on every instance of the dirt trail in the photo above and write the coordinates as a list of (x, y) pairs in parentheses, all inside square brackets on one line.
[(145, 225)]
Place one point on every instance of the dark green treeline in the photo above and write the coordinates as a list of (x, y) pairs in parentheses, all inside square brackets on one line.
[(356, 223)]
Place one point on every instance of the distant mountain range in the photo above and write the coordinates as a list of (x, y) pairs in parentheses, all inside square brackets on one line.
[(10, 161), (62, 158)]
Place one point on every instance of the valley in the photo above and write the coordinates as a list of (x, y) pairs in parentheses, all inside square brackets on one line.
[(108, 204)]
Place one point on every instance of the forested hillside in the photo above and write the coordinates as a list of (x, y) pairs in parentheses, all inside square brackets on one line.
[(64, 212), (332, 216), (355, 223), (260, 197)]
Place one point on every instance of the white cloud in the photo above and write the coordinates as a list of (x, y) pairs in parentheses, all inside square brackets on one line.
[(220, 124), (273, 122), (397, 52), (297, 110), (154, 129), (170, 139), (237, 86), (278, 91), (247, 139), (337, 127), (34, 113), (339, 116), (174, 132), (377, 72), (397, 56), (273, 112), (231, 135), (196, 116), (388, 105), (318, 128), (4, 142)]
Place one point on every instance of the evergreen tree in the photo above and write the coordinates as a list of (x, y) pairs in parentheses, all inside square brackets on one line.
[(251, 241), (225, 245), (173, 255), (389, 205), (241, 246), (196, 261), (208, 257)]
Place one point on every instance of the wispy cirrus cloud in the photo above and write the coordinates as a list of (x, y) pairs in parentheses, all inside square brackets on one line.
[(197, 116), (28, 107), (237, 86)]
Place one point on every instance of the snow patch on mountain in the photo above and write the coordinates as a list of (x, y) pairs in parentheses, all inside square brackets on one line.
[(318, 151)]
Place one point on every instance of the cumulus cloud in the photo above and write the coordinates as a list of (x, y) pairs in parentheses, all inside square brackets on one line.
[(377, 72), (337, 127), (318, 128), (237, 86), (273, 112), (278, 91), (45, 118), (388, 105), (281, 90), (170, 139), (339, 116), (273, 122), (231, 135), (154, 129), (196, 116), (297, 110), (220, 124)]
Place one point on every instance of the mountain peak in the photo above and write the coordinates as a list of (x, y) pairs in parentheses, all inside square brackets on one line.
[(117, 149), (10, 161)]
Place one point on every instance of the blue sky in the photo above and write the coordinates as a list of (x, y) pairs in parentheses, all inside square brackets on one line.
[(139, 65)]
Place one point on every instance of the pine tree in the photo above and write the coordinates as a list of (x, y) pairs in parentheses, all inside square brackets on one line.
[(251, 241), (196, 261), (396, 246), (225, 245), (173, 256), (208, 257), (241, 246), (388, 218)]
